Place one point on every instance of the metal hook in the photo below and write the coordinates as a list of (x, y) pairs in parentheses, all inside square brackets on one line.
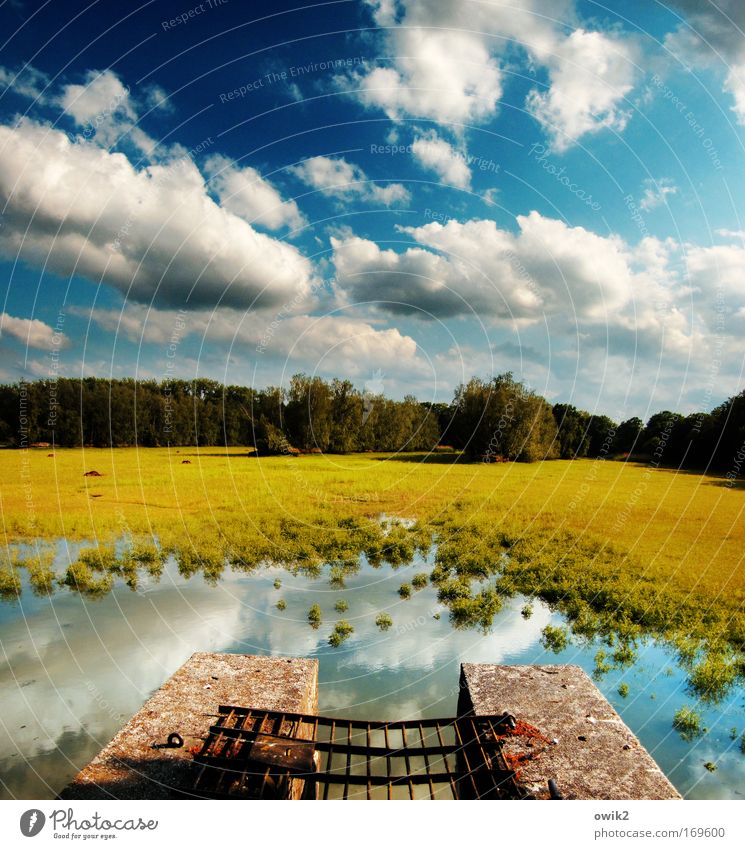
[(175, 741)]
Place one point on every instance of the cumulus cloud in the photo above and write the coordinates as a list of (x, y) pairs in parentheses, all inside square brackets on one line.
[(458, 268), (656, 193), (349, 344), (717, 266), (435, 154), (569, 278), (244, 192), (448, 60), (714, 275), (32, 332), (590, 73), (150, 232), (106, 112), (713, 35), (337, 178), (447, 76)]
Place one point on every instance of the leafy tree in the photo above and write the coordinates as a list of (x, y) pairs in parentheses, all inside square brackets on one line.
[(573, 426), (627, 435)]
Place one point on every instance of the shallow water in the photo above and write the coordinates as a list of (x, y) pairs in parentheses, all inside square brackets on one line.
[(73, 670)]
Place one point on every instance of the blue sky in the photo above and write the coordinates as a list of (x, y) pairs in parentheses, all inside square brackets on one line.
[(403, 193)]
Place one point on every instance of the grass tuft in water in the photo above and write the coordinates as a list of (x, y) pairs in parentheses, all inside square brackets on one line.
[(383, 621), (342, 631), (687, 722), (420, 580), (315, 616)]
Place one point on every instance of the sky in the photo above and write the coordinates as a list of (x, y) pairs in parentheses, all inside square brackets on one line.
[(403, 193)]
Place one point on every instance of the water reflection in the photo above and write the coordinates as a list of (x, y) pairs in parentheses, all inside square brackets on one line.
[(74, 669)]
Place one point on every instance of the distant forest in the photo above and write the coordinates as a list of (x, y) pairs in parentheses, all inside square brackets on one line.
[(489, 420)]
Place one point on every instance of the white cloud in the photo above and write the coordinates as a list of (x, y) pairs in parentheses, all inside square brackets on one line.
[(734, 84), (244, 192), (343, 180), (713, 35), (27, 81), (731, 234), (106, 111), (434, 153), (447, 64), (151, 232), (575, 282), (590, 74), (477, 267), (347, 345), (716, 273), (103, 94), (157, 99), (718, 266), (447, 76), (32, 332), (656, 193)]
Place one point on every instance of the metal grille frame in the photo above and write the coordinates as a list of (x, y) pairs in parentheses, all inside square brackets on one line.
[(262, 754)]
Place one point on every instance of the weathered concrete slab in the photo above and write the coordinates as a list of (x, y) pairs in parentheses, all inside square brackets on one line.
[(129, 768), (595, 755)]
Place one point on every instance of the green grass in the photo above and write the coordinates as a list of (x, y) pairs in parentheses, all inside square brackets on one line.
[(622, 550), (314, 616), (342, 631), (383, 621), (687, 722), (679, 528), (419, 581)]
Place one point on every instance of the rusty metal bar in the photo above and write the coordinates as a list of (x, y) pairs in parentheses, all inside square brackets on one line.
[(258, 753)]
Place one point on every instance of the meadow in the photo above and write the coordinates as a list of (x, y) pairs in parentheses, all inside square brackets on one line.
[(623, 549)]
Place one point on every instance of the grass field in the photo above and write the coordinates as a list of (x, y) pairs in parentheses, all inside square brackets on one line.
[(617, 546), (684, 528)]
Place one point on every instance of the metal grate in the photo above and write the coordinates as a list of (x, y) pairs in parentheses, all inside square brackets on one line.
[(266, 754)]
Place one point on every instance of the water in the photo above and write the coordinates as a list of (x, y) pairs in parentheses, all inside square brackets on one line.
[(73, 670)]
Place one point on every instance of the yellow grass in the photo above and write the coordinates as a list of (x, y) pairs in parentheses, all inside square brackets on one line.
[(680, 528)]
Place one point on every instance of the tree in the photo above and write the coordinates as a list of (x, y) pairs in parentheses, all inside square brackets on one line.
[(627, 435), (573, 427), (656, 435), (308, 412), (346, 417), (502, 419), (602, 432)]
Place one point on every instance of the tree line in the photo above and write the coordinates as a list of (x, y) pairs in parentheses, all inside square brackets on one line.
[(499, 419)]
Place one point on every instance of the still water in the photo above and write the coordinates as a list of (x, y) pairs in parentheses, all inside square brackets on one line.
[(73, 670)]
